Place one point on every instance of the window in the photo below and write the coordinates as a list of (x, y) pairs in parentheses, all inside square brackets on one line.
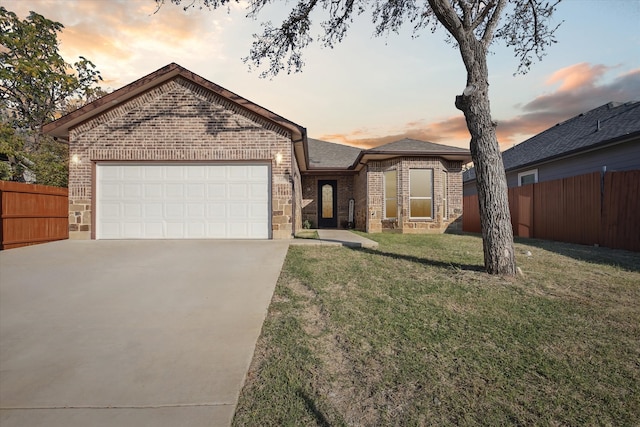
[(391, 194), (445, 186), (327, 201), (421, 193), (527, 177)]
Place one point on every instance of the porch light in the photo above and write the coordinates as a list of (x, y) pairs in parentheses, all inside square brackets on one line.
[(75, 159), (278, 159)]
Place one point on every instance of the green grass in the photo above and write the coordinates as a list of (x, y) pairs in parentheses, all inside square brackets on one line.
[(307, 234), (414, 333)]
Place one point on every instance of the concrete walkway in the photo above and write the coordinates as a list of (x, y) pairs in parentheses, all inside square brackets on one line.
[(131, 333), (338, 238)]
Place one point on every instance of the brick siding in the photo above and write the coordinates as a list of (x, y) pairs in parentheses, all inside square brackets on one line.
[(310, 197), (360, 195), (367, 190), (405, 224), (179, 121)]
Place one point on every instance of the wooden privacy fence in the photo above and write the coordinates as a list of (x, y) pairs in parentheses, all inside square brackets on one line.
[(590, 209), (32, 214)]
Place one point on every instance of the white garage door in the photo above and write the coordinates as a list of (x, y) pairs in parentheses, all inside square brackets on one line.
[(182, 201)]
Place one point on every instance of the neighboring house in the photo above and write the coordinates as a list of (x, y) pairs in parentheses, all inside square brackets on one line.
[(606, 138), (173, 155)]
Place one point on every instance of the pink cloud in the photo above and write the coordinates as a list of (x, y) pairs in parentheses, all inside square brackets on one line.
[(577, 76), (581, 89)]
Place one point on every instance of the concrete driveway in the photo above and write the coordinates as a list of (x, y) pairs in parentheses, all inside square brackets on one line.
[(131, 333)]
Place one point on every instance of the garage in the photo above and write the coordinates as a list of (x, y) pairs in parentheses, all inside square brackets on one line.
[(182, 201), (175, 156)]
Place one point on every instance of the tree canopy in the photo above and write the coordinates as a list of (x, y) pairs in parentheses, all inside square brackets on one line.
[(523, 25), (473, 25), (36, 86)]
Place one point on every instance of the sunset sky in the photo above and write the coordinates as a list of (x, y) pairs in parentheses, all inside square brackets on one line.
[(368, 90)]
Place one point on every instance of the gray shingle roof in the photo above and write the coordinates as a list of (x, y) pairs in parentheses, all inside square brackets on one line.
[(408, 145), (597, 127), (323, 154)]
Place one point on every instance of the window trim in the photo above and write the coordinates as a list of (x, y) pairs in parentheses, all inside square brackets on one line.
[(421, 197), (533, 172), (445, 192), (384, 194)]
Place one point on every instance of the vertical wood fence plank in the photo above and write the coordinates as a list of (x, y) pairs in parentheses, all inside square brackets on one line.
[(32, 214), (621, 210), (577, 209), (470, 214)]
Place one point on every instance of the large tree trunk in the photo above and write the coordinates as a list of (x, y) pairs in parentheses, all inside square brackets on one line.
[(495, 218)]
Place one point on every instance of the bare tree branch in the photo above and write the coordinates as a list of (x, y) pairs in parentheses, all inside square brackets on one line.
[(492, 23)]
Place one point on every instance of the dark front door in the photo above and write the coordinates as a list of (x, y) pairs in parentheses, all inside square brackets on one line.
[(327, 204)]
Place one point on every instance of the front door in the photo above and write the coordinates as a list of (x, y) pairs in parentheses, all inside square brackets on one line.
[(327, 204)]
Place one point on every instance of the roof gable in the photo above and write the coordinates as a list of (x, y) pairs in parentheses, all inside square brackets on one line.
[(323, 154), (408, 145), (329, 155), (607, 124), (60, 127), (584, 131)]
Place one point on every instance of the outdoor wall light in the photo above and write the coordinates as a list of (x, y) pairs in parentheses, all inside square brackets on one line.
[(278, 159), (75, 159)]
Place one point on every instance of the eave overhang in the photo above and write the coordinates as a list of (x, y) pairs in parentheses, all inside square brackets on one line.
[(60, 127), (369, 155)]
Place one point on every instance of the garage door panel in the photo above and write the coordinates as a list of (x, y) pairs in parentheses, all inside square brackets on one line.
[(217, 210), (153, 173), (109, 174), (196, 173), (132, 210), (132, 173), (175, 172), (258, 229), (216, 230), (182, 201), (153, 229), (238, 173), (195, 191), (153, 191), (258, 173), (216, 173), (110, 229), (153, 210), (237, 230), (196, 230), (237, 191), (196, 210), (238, 211), (110, 210), (131, 191), (174, 191), (216, 191), (256, 192), (174, 230), (173, 210), (110, 191), (257, 212), (133, 229)]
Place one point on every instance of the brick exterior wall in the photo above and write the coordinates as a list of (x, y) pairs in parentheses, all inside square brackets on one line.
[(361, 205), (367, 190), (310, 197), (179, 121), (297, 197), (404, 224)]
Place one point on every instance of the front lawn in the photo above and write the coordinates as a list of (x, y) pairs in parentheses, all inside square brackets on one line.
[(414, 333)]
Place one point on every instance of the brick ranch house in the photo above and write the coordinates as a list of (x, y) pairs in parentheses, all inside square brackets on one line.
[(173, 155)]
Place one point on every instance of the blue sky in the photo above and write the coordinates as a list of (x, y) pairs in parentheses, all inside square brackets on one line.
[(368, 90)]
